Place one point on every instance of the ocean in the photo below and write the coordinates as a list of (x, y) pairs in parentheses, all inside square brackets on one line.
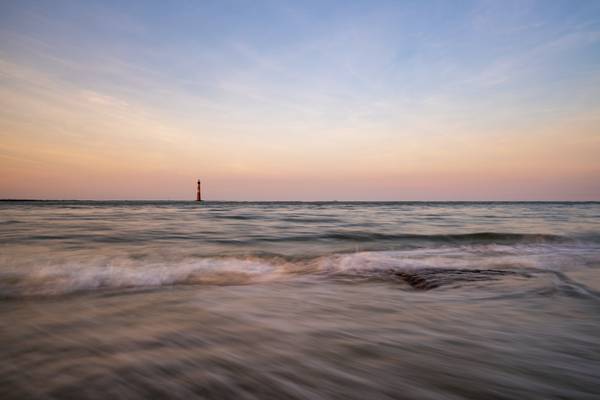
[(299, 300)]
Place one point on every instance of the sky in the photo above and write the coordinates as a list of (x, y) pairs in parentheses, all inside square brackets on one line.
[(300, 100)]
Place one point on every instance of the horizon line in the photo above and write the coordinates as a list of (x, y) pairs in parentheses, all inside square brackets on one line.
[(303, 201)]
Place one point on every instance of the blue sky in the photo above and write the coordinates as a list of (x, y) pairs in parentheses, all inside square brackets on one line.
[(405, 100)]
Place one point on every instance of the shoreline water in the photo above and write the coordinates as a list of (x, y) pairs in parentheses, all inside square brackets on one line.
[(293, 300)]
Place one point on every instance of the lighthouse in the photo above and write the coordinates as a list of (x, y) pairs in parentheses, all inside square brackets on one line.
[(198, 192)]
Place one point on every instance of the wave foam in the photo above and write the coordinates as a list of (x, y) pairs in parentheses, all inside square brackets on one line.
[(59, 277), (70, 278)]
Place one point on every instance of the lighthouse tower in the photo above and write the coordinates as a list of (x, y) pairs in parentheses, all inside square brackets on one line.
[(198, 192)]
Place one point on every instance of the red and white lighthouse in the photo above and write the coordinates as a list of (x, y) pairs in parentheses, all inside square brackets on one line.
[(198, 192)]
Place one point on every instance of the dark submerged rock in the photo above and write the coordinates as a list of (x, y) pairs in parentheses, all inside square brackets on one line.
[(431, 278)]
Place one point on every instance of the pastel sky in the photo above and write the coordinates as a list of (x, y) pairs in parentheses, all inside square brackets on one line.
[(300, 100)]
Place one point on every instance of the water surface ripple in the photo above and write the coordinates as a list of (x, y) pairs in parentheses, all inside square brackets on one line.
[(270, 300)]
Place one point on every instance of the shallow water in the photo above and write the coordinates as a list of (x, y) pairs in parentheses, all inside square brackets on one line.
[(299, 300)]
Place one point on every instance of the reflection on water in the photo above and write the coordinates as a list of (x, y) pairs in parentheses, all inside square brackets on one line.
[(299, 300)]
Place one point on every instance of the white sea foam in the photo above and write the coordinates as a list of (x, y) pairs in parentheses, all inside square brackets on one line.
[(66, 278), (542, 257), (33, 277)]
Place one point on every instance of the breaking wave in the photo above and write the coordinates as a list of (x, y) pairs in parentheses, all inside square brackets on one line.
[(466, 238), (425, 268), (105, 235)]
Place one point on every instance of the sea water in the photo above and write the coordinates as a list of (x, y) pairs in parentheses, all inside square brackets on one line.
[(270, 300)]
